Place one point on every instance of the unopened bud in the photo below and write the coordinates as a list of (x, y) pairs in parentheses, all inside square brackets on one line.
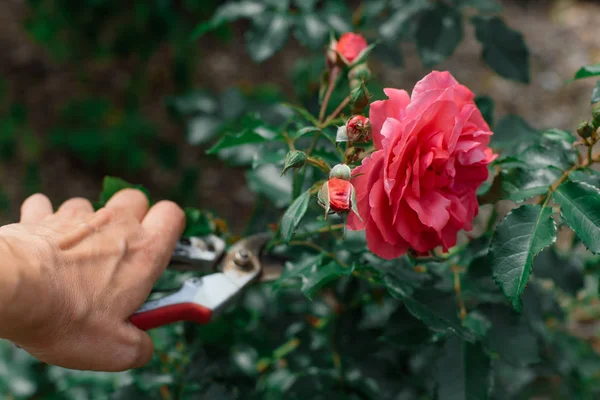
[(359, 98), (340, 171), (585, 130), (358, 129), (294, 159)]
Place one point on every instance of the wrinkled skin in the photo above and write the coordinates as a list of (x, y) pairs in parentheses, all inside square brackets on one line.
[(81, 274), (418, 189)]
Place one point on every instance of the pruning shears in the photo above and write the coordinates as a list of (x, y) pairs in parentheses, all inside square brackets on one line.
[(201, 298)]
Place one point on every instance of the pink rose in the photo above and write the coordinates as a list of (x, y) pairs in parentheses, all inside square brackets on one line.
[(418, 189)]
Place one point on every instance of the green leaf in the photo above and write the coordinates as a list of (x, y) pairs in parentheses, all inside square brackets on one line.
[(202, 129), (510, 130), (395, 26), (438, 34), (305, 5), (588, 71), (293, 215), (229, 12), (564, 270), (486, 106), (580, 207), (312, 274), (304, 131), (318, 277), (596, 93), (519, 184), (311, 31), (267, 36), (463, 371), (586, 175), (247, 136), (197, 223), (521, 235), (503, 48), (112, 185)]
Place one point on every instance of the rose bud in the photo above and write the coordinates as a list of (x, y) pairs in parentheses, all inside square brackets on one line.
[(346, 50), (338, 195), (357, 129), (585, 130)]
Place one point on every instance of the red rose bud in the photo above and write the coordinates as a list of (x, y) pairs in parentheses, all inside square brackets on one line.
[(338, 195), (358, 129), (346, 50)]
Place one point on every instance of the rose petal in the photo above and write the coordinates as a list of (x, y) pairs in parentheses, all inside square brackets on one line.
[(384, 109)]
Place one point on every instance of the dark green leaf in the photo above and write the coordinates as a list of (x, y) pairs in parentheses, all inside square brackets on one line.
[(486, 106), (197, 223), (305, 5), (586, 175), (267, 36), (558, 135), (588, 71), (596, 93), (202, 129), (463, 371), (438, 34), (580, 207), (521, 235), (112, 185), (519, 184), (311, 31), (247, 136), (318, 277), (293, 216), (395, 26), (563, 270), (503, 48), (512, 129), (304, 131), (510, 335)]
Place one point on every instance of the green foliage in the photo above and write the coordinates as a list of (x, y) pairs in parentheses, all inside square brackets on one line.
[(588, 71)]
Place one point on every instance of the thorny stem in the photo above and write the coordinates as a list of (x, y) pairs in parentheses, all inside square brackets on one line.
[(322, 165), (333, 74), (461, 304), (336, 112), (318, 248)]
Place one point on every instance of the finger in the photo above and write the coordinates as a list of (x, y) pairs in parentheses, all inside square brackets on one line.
[(165, 222), (35, 208), (75, 207), (131, 201)]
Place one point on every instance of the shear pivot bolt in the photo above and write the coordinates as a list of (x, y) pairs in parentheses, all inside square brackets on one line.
[(242, 259)]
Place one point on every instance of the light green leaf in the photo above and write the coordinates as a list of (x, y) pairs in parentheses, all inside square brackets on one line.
[(521, 235), (586, 175), (293, 159), (463, 371), (267, 36), (588, 71), (439, 32), (267, 180), (503, 48), (293, 215), (580, 207)]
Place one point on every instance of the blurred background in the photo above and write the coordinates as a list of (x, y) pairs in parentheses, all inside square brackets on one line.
[(98, 87)]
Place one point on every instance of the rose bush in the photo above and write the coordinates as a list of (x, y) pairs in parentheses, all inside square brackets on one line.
[(418, 189)]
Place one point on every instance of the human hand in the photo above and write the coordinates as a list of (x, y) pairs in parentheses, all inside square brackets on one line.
[(82, 274)]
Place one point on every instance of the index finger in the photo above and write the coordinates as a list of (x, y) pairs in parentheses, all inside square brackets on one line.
[(165, 222)]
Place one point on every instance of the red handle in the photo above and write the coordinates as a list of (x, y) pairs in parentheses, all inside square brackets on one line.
[(174, 313)]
